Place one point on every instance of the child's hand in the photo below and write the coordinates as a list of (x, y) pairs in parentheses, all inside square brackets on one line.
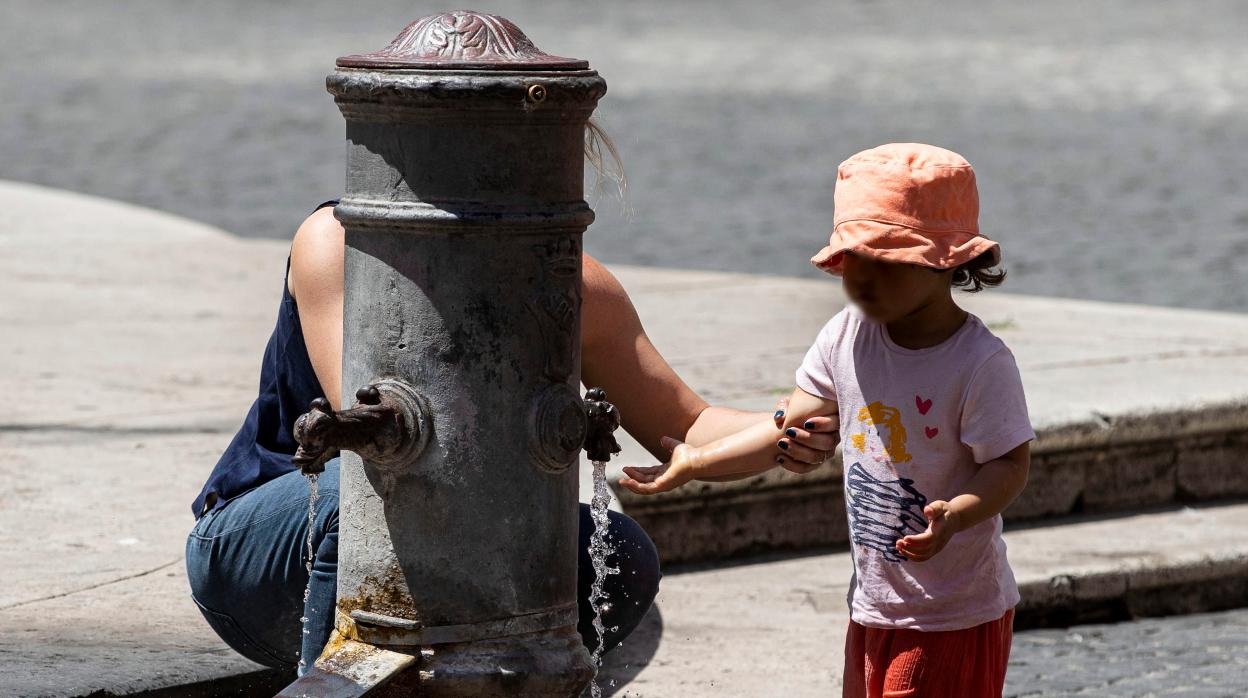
[(942, 524), (653, 479)]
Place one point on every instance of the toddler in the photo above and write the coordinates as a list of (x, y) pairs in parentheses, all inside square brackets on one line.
[(934, 425)]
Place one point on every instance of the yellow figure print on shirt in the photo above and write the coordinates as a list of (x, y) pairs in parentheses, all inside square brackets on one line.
[(884, 508), (879, 415)]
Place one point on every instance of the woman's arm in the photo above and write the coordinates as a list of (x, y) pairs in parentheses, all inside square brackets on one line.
[(315, 281), (652, 399), (617, 356)]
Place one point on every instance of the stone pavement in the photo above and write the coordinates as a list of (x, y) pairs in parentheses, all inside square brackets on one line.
[(132, 340), (1204, 655)]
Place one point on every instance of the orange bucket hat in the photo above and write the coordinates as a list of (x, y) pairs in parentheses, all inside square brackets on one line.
[(906, 202)]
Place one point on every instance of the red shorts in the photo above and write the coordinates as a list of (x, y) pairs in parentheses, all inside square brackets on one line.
[(907, 663)]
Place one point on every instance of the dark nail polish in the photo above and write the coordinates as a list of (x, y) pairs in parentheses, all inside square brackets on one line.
[(784, 445), (779, 414), (790, 432), (780, 460), (809, 424)]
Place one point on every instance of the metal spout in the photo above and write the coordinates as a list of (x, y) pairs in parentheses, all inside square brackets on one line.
[(604, 419), (387, 425)]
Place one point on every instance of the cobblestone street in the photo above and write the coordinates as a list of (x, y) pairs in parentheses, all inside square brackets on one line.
[(1203, 655)]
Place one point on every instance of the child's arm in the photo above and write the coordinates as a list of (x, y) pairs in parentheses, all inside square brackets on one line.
[(994, 418), (988, 492), (800, 450), (750, 450)]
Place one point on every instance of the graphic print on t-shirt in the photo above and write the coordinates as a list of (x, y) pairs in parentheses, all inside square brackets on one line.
[(878, 414), (882, 509)]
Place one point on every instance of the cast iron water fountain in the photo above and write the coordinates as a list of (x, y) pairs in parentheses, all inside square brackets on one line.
[(464, 209)]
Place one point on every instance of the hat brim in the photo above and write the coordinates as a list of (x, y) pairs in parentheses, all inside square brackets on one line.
[(896, 243)]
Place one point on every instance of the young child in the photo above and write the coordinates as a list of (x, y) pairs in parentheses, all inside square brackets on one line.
[(934, 424)]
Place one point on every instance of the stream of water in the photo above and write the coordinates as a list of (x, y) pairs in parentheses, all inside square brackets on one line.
[(599, 550), (307, 590)]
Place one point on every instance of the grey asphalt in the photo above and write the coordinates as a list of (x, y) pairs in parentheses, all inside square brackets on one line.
[(1107, 135)]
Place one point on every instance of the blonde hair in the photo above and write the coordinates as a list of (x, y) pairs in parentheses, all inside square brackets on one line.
[(608, 167)]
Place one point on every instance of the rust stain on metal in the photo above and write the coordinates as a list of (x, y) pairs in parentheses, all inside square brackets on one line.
[(387, 596), (337, 640)]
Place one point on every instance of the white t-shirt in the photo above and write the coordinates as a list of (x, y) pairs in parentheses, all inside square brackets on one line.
[(914, 425)]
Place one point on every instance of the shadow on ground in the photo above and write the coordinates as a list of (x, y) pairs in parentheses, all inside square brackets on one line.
[(622, 664), (257, 684), (619, 666)]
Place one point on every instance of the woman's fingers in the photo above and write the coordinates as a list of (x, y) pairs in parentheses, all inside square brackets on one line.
[(799, 468), (820, 434), (818, 441), (781, 407), (799, 456), (792, 450), (797, 433), (822, 424)]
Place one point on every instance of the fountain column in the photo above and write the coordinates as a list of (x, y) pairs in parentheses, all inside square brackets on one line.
[(464, 210)]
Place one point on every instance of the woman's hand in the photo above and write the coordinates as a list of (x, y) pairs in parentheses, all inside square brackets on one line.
[(681, 468), (942, 524), (802, 449)]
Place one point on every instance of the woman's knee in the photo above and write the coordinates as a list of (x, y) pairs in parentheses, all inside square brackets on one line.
[(636, 556), (630, 592), (232, 569)]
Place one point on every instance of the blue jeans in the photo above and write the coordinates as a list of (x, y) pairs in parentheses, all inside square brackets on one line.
[(246, 560)]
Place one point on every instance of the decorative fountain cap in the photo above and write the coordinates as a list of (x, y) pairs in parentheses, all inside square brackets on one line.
[(461, 40)]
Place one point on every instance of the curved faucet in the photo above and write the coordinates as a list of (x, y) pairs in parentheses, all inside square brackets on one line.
[(604, 419), (387, 425)]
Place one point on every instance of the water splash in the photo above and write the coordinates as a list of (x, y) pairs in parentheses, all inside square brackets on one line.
[(599, 550), (313, 494)]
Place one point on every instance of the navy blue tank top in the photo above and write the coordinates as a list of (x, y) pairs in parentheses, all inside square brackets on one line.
[(264, 445)]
